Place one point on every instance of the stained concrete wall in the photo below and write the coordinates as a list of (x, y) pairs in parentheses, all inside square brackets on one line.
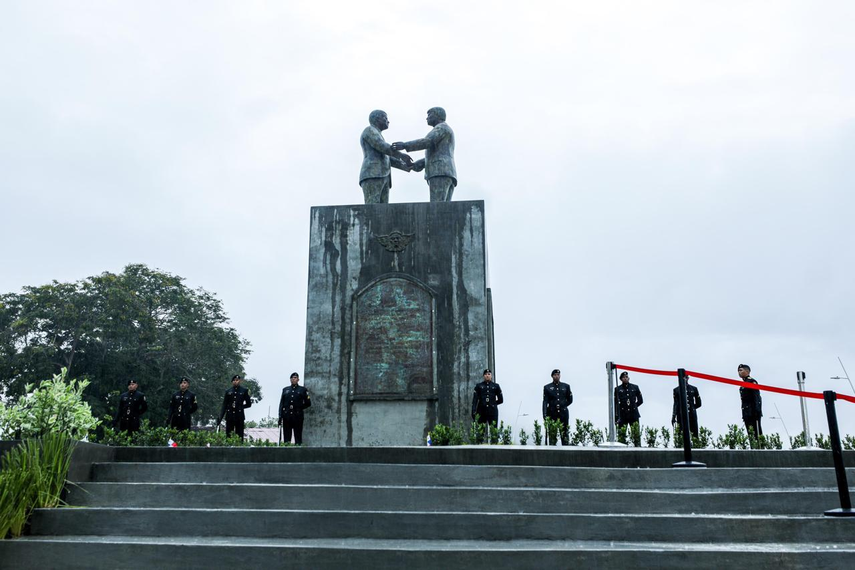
[(447, 254)]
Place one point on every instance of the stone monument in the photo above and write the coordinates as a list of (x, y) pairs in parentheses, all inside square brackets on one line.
[(399, 320)]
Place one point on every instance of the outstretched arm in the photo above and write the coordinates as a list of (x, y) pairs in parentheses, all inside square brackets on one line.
[(420, 144), (380, 145)]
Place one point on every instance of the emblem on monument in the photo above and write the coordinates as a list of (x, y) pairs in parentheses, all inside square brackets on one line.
[(396, 241)]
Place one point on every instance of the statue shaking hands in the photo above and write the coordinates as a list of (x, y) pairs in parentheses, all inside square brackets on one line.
[(438, 163), (378, 157)]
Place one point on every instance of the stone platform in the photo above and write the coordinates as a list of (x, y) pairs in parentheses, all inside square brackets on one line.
[(398, 321), (467, 507)]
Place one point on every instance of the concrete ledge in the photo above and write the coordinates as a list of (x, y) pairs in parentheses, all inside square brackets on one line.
[(190, 552), (487, 525), (463, 499), (470, 475), (486, 455)]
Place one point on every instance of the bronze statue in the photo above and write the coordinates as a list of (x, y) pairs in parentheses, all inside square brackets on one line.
[(438, 163), (375, 177)]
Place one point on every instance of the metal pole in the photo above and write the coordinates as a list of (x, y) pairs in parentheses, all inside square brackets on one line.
[(687, 432), (845, 509), (610, 440), (610, 367), (800, 378)]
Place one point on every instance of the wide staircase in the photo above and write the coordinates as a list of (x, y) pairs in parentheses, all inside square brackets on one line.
[(467, 507)]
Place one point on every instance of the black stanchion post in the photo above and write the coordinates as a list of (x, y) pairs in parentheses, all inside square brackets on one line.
[(845, 509), (684, 416)]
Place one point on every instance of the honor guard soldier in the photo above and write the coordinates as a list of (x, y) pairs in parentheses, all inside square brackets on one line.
[(752, 402), (486, 400), (236, 400), (627, 400), (694, 398), (132, 405), (294, 400), (557, 397), (182, 404)]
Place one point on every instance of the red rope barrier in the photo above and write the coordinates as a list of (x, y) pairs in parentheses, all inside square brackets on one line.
[(647, 370), (749, 385)]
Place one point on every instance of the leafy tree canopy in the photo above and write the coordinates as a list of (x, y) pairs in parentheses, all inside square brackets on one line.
[(142, 323)]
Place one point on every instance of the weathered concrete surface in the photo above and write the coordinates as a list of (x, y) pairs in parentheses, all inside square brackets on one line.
[(449, 525), (184, 552), (373, 379), (464, 507), (487, 455), (242, 495), (471, 475)]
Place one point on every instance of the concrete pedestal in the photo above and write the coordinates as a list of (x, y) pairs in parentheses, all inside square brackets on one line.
[(398, 320)]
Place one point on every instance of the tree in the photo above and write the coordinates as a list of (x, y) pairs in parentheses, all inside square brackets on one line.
[(142, 323)]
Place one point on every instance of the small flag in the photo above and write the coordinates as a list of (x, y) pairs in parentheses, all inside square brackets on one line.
[(171, 443)]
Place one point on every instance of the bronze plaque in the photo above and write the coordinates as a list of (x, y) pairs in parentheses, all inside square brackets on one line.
[(394, 340)]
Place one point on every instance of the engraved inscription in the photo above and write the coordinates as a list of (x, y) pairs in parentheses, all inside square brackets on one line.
[(394, 348)]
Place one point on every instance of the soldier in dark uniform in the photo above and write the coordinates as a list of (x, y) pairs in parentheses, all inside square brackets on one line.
[(181, 405), (486, 399), (236, 400), (132, 405), (294, 400), (694, 399), (627, 400), (752, 402), (557, 397)]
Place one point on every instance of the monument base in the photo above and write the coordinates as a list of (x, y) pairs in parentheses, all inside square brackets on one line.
[(398, 321)]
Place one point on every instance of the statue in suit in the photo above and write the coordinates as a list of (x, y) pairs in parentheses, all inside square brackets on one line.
[(375, 177), (438, 163)]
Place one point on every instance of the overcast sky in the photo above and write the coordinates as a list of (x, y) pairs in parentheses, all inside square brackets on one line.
[(667, 184)]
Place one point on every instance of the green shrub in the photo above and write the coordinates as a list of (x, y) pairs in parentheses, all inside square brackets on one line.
[(848, 443), (494, 432), (798, 441), (622, 434), (666, 436), (704, 438), (651, 436), (506, 435), (552, 428), (446, 435), (735, 438), (160, 436), (822, 441), (523, 437), (538, 433), (477, 432), (635, 434), (772, 441), (32, 475), (582, 434), (56, 405), (597, 436)]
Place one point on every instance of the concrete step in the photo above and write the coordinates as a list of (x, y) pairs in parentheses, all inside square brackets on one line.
[(187, 551), (469, 475), (462, 499), (488, 525), (485, 455)]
